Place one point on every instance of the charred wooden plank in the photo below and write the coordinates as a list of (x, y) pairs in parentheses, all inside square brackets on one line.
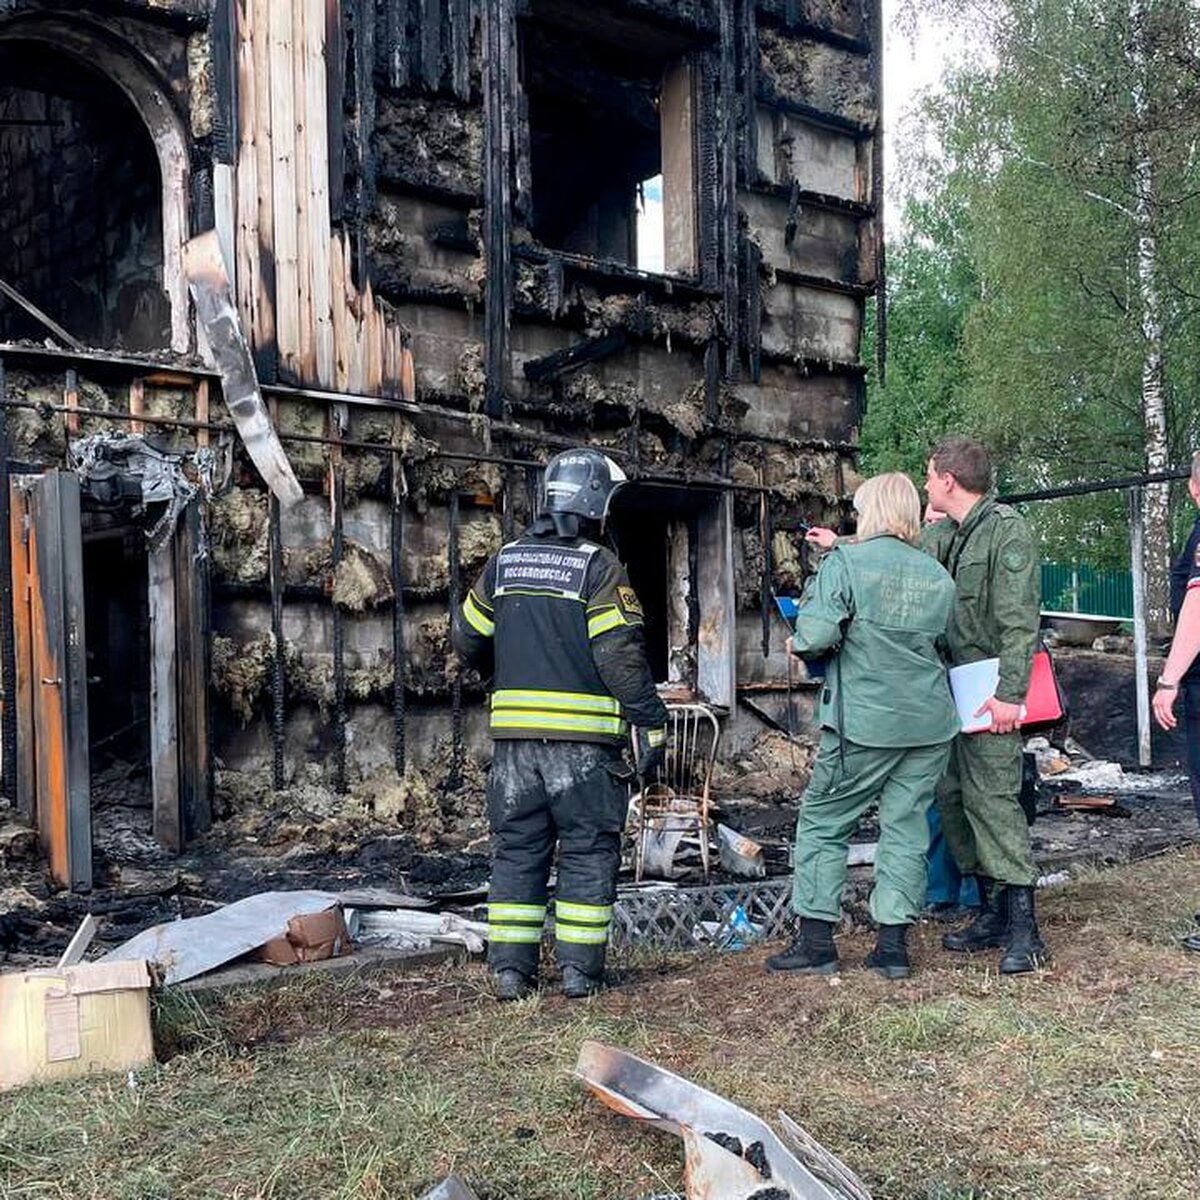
[(264, 333), (9, 539), (335, 99), (283, 185), (194, 625), (727, 202), (748, 64), (224, 60), (36, 313), (278, 666), (460, 48), (399, 655), (499, 70), (337, 504), (71, 400), (559, 362), (456, 709)]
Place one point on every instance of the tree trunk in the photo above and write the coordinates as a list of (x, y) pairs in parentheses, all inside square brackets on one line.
[(1155, 507)]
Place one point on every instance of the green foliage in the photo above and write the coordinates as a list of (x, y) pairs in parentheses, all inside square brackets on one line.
[(1017, 308), (931, 288)]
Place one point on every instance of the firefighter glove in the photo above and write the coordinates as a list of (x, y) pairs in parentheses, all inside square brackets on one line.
[(651, 750)]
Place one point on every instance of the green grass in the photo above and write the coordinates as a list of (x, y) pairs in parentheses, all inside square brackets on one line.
[(957, 1085)]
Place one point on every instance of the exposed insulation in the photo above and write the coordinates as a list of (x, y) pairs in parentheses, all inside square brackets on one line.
[(360, 580), (429, 142), (830, 79), (239, 536)]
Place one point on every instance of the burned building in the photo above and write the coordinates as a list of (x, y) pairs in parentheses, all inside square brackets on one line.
[(296, 297)]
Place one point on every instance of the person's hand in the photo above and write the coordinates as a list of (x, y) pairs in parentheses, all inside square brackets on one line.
[(1005, 717), (820, 536), (651, 751), (791, 649), (1163, 707)]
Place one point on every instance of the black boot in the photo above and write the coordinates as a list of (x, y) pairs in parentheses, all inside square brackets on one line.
[(577, 983), (510, 984), (1025, 950), (890, 956), (811, 951), (988, 929)]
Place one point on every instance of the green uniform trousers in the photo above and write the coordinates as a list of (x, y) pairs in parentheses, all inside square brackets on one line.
[(982, 817), (902, 780)]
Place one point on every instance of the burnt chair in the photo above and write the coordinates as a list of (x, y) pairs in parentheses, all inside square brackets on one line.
[(675, 802)]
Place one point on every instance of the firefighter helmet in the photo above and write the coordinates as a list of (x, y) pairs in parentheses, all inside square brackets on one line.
[(581, 481)]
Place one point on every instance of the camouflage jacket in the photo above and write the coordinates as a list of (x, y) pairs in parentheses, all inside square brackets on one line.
[(992, 559)]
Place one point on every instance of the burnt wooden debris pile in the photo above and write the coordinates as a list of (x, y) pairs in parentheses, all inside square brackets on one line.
[(356, 269)]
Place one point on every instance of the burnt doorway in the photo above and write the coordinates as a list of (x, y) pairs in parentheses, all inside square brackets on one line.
[(676, 543), (81, 204), (117, 616), (111, 638)]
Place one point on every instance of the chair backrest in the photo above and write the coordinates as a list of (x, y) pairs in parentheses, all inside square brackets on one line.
[(693, 733)]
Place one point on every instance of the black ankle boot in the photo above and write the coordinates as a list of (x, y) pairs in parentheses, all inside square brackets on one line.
[(890, 956), (1025, 950), (990, 926), (811, 951)]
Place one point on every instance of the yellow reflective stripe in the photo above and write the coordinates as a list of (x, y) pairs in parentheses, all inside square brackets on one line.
[(657, 737), (513, 933), (535, 699), (562, 722), (502, 912), (476, 617), (603, 621), (581, 935), (587, 914)]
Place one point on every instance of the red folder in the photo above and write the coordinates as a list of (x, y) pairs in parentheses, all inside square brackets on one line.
[(1044, 701)]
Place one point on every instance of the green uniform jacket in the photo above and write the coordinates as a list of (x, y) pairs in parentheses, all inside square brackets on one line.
[(885, 606), (992, 559)]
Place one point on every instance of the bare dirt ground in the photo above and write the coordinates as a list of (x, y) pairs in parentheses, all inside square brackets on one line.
[(1079, 1082)]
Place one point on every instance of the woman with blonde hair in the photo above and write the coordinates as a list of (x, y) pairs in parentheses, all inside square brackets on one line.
[(880, 606)]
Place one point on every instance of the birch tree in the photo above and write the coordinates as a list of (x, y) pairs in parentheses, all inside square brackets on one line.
[(1072, 144)]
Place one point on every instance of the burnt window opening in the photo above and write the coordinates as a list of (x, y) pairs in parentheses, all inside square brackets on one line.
[(612, 141), (676, 544), (81, 221)]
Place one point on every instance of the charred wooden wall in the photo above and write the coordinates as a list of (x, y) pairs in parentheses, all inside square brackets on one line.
[(377, 170)]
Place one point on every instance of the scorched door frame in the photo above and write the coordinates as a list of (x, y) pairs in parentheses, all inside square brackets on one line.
[(52, 763)]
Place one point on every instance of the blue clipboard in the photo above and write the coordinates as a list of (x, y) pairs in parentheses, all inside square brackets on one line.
[(788, 607)]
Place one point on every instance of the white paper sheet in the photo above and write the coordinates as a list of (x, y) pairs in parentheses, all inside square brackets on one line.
[(971, 685)]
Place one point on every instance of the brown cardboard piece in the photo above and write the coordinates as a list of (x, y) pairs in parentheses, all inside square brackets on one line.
[(309, 938), (64, 1022)]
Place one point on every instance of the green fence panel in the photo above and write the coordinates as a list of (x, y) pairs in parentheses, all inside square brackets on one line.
[(1067, 588)]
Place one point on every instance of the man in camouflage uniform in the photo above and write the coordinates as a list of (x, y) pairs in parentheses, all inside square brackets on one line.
[(988, 550)]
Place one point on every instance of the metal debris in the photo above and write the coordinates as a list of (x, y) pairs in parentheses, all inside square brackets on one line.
[(739, 854), (108, 464), (730, 1153)]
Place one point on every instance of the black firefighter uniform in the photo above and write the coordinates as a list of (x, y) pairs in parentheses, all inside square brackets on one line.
[(570, 675)]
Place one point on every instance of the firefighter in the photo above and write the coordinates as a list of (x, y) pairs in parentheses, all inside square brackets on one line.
[(554, 619)]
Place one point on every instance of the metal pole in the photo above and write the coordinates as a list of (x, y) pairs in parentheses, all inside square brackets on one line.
[(1137, 566)]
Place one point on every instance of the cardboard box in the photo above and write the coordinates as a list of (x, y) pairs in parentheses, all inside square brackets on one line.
[(309, 938), (61, 1023)]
